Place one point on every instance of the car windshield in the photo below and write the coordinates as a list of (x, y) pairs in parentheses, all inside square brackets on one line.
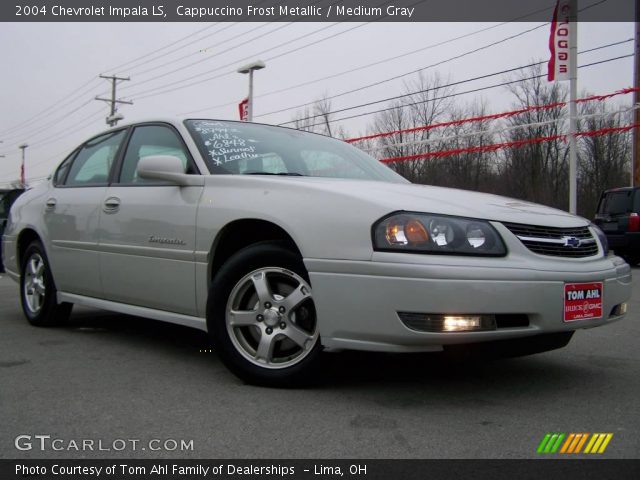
[(240, 148)]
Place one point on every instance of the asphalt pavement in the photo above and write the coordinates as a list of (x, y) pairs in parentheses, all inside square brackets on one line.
[(119, 380)]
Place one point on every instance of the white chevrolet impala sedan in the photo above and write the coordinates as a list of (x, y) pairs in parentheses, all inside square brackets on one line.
[(280, 243)]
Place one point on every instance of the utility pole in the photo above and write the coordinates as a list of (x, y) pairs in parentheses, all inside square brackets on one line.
[(635, 160), (23, 181), (114, 117)]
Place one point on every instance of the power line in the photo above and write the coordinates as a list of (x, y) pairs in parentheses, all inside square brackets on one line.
[(208, 58), (82, 90), (30, 120), (203, 49), (154, 91), (159, 89), (437, 63), (480, 77), (396, 77), (146, 55), (362, 67), (475, 90)]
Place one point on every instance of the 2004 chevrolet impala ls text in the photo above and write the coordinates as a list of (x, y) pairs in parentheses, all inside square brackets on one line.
[(280, 243)]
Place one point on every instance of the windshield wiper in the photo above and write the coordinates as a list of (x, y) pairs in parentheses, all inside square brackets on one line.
[(283, 174)]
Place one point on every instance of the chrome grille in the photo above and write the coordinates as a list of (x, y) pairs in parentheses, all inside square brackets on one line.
[(557, 242)]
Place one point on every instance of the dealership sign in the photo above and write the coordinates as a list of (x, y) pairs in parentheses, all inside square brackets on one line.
[(243, 109), (559, 44)]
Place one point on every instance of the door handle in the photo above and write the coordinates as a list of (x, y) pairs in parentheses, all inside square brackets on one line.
[(51, 203), (111, 205)]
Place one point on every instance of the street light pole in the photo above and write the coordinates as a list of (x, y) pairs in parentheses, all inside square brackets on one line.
[(250, 68), (23, 182)]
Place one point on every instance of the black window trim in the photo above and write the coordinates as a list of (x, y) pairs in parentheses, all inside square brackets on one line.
[(114, 178), (71, 157)]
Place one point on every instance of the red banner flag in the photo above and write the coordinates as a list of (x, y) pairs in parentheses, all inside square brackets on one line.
[(243, 109), (558, 66)]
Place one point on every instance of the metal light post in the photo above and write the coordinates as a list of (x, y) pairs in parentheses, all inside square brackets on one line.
[(23, 183), (250, 68)]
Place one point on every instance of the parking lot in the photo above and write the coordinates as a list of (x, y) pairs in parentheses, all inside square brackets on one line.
[(106, 376)]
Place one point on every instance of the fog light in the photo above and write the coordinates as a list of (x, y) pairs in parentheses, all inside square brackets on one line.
[(429, 322), (460, 324), (619, 309)]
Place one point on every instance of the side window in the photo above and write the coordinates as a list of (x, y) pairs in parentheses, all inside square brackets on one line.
[(150, 140), (61, 172), (93, 162)]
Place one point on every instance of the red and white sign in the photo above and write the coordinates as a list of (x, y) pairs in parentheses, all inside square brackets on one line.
[(243, 109), (582, 301), (558, 66)]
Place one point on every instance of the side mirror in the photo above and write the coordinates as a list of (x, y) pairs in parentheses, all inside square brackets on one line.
[(167, 168)]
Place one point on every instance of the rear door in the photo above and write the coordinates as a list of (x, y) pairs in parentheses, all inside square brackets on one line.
[(148, 229), (72, 214)]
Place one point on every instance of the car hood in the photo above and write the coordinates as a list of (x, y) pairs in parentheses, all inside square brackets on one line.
[(392, 197)]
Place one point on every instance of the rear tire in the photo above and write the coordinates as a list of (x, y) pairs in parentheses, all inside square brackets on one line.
[(262, 319), (38, 294)]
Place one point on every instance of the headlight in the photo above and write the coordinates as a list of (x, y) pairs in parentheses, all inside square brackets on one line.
[(436, 234), (602, 238)]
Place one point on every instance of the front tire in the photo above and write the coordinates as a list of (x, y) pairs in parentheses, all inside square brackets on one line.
[(38, 291), (262, 318)]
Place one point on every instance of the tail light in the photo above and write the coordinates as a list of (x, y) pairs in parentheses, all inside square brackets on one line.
[(634, 222)]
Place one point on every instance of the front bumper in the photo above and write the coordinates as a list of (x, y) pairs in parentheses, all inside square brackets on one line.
[(358, 302)]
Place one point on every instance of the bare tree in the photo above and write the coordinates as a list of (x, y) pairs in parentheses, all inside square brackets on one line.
[(603, 161), (536, 171), (475, 170), (319, 119), (427, 102)]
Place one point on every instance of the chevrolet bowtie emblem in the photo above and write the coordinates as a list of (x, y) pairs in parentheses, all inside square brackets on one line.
[(572, 242)]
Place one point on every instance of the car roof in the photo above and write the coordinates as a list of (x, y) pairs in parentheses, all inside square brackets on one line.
[(179, 120)]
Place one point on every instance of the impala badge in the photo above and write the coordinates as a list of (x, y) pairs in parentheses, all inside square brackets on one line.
[(166, 241)]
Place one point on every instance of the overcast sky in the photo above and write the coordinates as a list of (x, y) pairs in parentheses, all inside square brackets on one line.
[(48, 63)]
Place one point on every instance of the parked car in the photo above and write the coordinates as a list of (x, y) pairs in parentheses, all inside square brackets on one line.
[(280, 243), (619, 217), (7, 197)]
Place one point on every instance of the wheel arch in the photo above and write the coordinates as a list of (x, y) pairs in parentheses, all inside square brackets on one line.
[(25, 238), (241, 233)]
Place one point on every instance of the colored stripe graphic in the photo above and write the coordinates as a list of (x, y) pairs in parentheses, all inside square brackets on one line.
[(598, 443), (551, 442), (568, 442), (572, 443)]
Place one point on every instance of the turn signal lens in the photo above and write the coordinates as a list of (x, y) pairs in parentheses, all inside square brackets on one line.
[(415, 232), (411, 232)]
